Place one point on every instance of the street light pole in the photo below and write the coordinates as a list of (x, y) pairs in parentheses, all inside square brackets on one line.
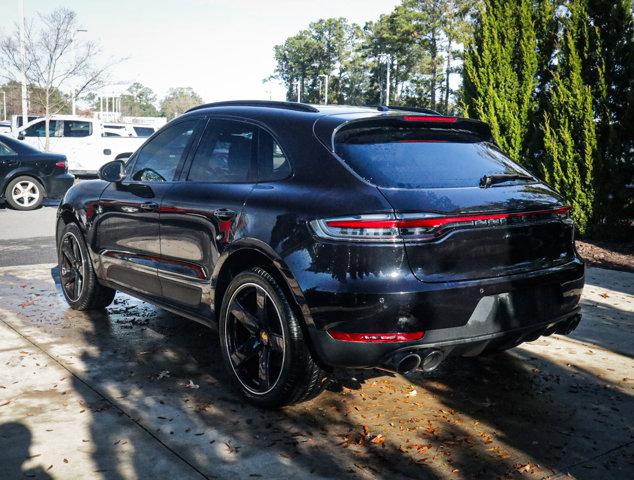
[(25, 110), (388, 59), (326, 78)]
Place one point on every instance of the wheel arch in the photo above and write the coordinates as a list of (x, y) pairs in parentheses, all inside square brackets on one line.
[(21, 172), (247, 253)]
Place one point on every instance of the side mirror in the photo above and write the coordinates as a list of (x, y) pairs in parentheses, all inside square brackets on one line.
[(112, 171), (21, 134)]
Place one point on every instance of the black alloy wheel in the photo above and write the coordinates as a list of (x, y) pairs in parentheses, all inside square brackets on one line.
[(79, 283), (263, 344), (255, 338), (72, 269)]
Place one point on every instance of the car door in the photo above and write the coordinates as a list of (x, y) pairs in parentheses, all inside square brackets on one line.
[(75, 139), (201, 214), (126, 227)]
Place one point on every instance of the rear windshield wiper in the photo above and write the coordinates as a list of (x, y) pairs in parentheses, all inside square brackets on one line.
[(489, 180)]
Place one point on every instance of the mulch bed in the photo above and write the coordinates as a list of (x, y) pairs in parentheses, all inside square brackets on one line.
[(617, 256)]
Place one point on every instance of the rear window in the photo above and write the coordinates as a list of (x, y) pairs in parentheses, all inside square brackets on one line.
[(410, 157)]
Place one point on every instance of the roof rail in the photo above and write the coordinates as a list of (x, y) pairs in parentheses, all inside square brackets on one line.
[(301, 107), (386, 108)]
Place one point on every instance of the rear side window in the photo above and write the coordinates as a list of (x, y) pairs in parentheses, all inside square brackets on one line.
[(74, 128), (225, 153), (143, 131), (6, 151), (410, 157), (272, 163)]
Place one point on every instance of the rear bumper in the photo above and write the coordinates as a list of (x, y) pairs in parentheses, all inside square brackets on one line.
[(57, 185), (336, 353), (461, 318)]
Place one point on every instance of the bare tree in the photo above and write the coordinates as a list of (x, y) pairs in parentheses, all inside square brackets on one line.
[(55, 62)]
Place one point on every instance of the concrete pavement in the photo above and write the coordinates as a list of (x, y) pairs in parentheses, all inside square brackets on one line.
[(28, 238), (136, 392)]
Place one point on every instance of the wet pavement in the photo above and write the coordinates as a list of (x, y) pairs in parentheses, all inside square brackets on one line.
[(137, 392)]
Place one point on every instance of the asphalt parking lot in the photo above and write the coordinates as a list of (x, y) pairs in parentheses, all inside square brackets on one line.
[(136, 392)]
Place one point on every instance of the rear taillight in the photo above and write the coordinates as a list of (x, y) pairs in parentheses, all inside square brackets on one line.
[(376, 337), (61, 164), (422, 226)]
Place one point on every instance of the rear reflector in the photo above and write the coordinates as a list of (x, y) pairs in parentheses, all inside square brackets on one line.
[(376, 337), (423, 226), (430, 119)]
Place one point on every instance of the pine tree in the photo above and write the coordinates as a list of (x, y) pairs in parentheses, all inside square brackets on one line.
[(570, 142), (615, 23), (500, 72)]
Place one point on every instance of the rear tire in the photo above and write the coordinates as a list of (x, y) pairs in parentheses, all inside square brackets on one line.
[(24, 193), (79, 283), (263, 345)]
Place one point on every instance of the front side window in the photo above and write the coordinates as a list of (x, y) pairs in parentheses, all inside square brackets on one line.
[(39, 129), (74, 128), (272, 163), (157, 161), (225, 153), (6, 151)]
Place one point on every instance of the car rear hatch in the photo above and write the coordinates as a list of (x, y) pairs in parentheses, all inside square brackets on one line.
[(462, 208)]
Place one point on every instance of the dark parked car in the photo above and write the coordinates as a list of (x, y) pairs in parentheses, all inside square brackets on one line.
[(28, 175), (316, 238)]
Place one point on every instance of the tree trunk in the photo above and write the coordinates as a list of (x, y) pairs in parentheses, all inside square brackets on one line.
[(447, 72), (47, 119)]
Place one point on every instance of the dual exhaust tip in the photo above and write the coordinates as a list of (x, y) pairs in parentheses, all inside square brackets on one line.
[(425, 360)]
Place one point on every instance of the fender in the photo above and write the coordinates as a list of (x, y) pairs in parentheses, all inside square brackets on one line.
[(78, 205), (253, 244)]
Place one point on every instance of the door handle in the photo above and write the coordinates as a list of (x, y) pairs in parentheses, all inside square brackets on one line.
[(224, 214), (149, 206)]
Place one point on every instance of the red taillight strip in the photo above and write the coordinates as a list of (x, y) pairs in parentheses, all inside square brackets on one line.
[(410, 118), (376, 337), (438, 221), (61, 164)]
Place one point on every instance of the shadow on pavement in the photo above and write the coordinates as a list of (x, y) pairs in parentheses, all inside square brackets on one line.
[(513, 415), (15, 443)]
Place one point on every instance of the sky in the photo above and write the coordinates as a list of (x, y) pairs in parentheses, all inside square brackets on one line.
[(223, 49)]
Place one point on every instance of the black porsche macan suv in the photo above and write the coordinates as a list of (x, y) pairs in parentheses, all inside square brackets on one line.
[(324, 237)]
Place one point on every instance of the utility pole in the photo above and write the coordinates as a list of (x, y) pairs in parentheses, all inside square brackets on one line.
[(299, 93), (25, 109), (74, 53)]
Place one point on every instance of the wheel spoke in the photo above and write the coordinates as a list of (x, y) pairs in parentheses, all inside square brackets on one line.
[(245, 352), (68, 253), (77, 286), (277, 342), (260, 300), (263, 367), (250, 322)]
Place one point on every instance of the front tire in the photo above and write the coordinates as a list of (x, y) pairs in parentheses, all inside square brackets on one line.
[(263, 345), (79, 283), (24, 193)]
